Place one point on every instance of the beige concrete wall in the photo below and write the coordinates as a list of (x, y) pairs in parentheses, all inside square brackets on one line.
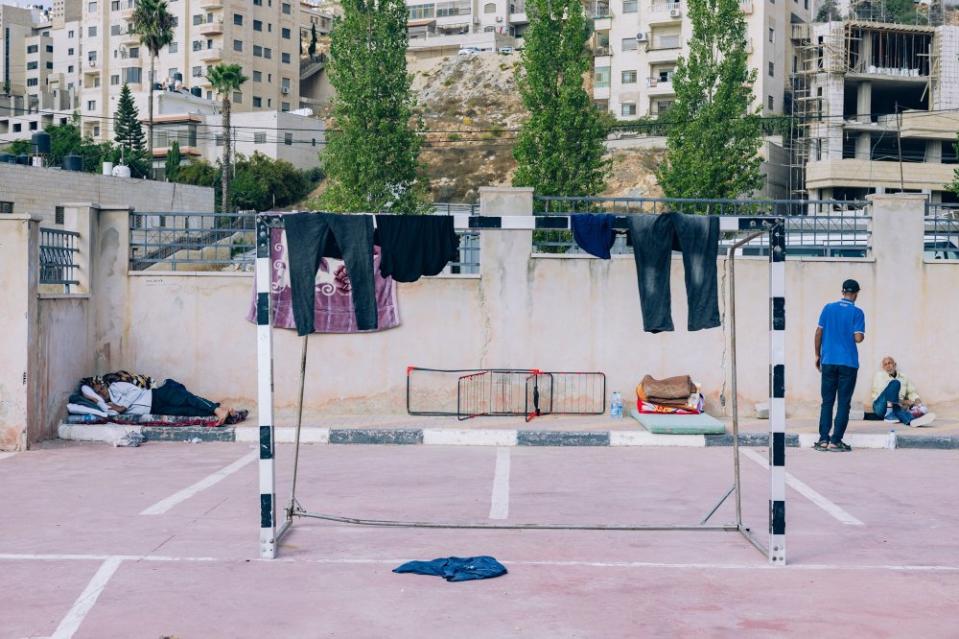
[(36, 191), (64, 355), (869, 174), (18, 342)]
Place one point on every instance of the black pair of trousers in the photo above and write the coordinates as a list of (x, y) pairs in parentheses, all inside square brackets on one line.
[(313, 236), (837, 381), (654, 239), (172, 398)]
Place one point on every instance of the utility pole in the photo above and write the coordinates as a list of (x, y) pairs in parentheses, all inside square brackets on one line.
[(902, 182)]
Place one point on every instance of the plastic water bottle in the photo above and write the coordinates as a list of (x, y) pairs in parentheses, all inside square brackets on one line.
[(891, 441), (616, 405)]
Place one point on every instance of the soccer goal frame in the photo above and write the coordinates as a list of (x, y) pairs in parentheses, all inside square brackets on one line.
[(271, 530)]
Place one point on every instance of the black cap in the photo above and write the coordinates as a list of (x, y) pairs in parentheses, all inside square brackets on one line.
[(850, 286)]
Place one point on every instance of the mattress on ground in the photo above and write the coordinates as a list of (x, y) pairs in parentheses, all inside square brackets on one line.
[(664, 424)]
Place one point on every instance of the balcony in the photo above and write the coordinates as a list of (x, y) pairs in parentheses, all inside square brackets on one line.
[(211, 55), (852, 173), (601, 92), (211, 28), (602, 24), (665, 13), (658, 86), (211, 5), (129, 38), (799, 32), (746, 6), (602, 51)]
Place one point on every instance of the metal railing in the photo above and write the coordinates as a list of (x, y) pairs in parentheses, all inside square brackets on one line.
[(814, 228), (189, 241), (194, 240), (941, 233), (58, 250)]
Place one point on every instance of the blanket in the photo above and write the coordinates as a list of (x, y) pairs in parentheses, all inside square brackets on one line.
[(334, 300), (660, 391), (144, 420)]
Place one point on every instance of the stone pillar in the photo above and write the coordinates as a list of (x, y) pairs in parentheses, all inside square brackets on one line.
[(933, 151), (864, 146), (19, 279), (897, 247), (864, 101), (504, 259), (110, 287)]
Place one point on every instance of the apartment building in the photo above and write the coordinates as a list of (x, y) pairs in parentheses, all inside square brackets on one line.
[(441, 28), (637, 44), (877, 102), (16, 25)]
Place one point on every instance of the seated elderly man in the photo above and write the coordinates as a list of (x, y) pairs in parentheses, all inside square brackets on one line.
[(895, 398)]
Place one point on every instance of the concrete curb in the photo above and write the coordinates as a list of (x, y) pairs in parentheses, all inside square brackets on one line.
[(109, 433)]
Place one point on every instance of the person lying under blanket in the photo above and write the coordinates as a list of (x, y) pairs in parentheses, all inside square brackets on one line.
[(167, 398)]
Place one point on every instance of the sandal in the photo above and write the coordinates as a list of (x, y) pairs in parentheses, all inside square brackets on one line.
[(822, 444), (237, 416), (840, 447)]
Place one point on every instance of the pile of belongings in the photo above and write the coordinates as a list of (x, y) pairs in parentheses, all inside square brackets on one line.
[(674, 395)]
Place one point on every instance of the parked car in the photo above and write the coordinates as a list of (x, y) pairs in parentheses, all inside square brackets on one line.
[(506, 50), (466, 51)]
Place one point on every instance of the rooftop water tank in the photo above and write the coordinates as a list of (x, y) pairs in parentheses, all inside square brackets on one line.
[(41, 142), (72, 163)]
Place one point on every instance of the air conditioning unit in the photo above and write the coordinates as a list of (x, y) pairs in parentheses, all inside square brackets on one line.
[(642, 37), (284, 90), (675, 13)]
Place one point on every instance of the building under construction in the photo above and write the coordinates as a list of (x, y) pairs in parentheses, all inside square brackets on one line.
[(876, 109)]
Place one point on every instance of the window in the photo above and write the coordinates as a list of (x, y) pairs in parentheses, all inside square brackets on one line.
[(33, 48), (267, 53), (629, 44), (92, 56), (33, 125), (288, 138), (70, 69), (238, 45), (173, 47), (237, 97), (287, 8), (489, 7), (601, 77), (49, 48), (285, 58), (91, 7), (49, 65), (132, 75), (134, 52), (421, 11), (664, 75), (627, 108), (17, 127), (70, 34), (32, 82), (805, 4), (257, 51), (92, 31), (70, 51), (628, 77), (772, 69), (285, 106), (197, 72), (116, 29), (629, 6), (285, 83), (238, 19), (662, 106), (197, 45), (259, 137), (32, 65), (770, 102), (269, 103), (285, 33), (115, 79), (91, 105), (258, 3), (172, 72), (197, 19), (58, 215), (258, 25), (257, 102), (772, 34), (6, 208), (258, 76), (269, 27)]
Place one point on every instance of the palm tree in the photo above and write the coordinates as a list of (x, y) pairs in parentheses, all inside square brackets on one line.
[(154, 24), (226, 78)]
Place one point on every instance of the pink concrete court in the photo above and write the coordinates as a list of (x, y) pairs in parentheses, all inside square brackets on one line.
[(161, 541)]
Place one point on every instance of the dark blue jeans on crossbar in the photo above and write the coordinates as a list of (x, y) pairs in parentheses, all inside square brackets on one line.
[(838, 384), (891, 396)]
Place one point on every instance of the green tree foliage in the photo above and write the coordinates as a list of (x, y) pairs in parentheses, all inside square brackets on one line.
[(954, 187), (128, 134), (226, 78), (154, 24), (173, 160), (372, 154), (896, 11), (713, 133), (828, 11), (67, 139), (559, 150), (20, 147), (260, 182)]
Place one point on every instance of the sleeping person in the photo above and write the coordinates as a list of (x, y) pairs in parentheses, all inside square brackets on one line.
[(168, 398)]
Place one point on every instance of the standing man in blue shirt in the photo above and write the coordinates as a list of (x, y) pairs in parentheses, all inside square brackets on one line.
[(841, 326)]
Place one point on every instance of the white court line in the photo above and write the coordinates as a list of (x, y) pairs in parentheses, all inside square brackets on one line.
[(84, 603), (584, 564), (166, 504), (499, 502), (5, 455), (838, 513)]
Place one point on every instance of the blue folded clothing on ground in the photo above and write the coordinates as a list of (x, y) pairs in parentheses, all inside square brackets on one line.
[(456, 568)]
